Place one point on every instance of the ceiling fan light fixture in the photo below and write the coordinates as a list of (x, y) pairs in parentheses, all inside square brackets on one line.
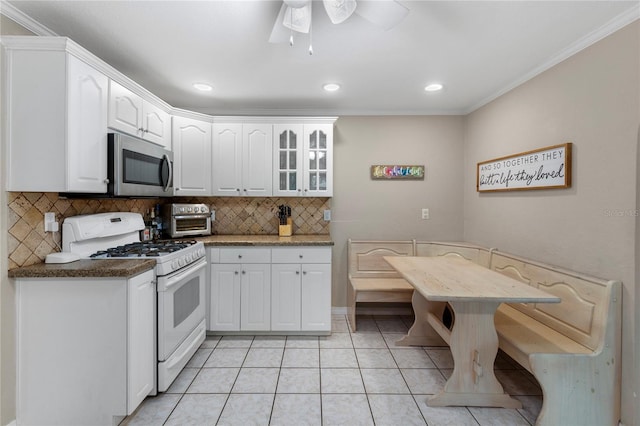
[(433, 87), (203, 87), (331, 87), (339, 10)]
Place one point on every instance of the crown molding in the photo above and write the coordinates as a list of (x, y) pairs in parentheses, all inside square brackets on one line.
[(19, 17), (593, 37)]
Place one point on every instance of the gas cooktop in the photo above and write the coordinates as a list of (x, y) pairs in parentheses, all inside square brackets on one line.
[(143, 249)]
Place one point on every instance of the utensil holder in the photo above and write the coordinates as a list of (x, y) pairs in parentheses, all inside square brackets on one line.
[(284, 230)]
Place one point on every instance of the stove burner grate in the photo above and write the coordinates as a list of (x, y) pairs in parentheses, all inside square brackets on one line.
[(144, 249)]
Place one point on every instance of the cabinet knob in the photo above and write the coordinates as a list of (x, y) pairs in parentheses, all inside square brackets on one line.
[(238, 189), (146, 130), (304, 272), (239, 256), (301, 256), (297, 272), (141, 130), (244, 272), (107, 181), (235, 272)]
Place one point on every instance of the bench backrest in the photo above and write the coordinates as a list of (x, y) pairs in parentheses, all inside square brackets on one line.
[(582, 313), (476, 254), (366, 257)]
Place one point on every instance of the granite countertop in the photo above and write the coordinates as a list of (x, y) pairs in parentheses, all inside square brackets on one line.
[(266, 240), (126, 268), (86, 268)]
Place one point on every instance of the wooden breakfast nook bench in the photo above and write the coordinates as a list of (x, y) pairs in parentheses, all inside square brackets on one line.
[(573, 348), (371, 279)]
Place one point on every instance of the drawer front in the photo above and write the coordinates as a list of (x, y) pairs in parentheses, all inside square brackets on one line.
[(213, 255), (245, 255), (301, 255)]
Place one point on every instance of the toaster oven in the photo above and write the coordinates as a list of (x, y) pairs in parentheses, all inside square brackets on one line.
[(185, 220)]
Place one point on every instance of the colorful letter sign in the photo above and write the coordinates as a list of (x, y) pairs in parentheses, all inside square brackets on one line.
[(397, 172)]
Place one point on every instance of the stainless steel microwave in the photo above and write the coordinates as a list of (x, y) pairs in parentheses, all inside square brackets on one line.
[(137, 168)]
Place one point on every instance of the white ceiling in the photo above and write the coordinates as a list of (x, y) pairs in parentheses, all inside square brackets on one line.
[(477, 49)]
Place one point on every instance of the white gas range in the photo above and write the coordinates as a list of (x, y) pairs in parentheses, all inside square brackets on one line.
[(180, 271)]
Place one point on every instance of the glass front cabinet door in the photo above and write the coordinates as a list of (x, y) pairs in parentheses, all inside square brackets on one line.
[(287, 140), (303, 161)]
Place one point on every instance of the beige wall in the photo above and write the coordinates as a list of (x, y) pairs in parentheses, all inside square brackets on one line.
[(364, 208), (592, 100)]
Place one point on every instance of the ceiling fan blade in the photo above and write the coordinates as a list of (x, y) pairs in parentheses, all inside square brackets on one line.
[(384, 13), (339, 10), (298, 18), (279, 34)]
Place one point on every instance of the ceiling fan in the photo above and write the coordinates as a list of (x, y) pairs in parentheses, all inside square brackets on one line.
[(295, 15)]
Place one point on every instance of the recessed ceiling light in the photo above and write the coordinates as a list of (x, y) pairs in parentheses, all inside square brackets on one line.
[(203, 87), (433, 87), (331, 87)]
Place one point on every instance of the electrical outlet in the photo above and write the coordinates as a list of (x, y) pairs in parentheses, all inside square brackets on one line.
[(425, 213), (327, 215), (213, 215), (50, 224)]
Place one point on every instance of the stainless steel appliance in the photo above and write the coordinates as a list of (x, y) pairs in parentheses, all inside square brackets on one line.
[(137, 168), (180, 275), (183, 220)]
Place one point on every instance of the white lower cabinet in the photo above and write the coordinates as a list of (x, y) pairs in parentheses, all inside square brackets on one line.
[(241, 290), (85, 348), (301, 289), (277, 289), (255, 297)]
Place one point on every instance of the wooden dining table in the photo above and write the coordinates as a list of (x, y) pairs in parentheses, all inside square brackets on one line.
[(474, 294)]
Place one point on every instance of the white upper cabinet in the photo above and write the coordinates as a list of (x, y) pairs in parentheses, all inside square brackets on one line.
[(287, 160), (303, 160), (191, 157), (58, 133), (318, 160), (242, 159), (226, 174), (131, 114)]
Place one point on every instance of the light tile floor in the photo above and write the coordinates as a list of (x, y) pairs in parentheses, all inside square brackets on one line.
[(346, 378)]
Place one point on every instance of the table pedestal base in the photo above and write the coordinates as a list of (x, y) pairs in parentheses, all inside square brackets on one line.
[(474, 346), (421, 333), (448, 399)]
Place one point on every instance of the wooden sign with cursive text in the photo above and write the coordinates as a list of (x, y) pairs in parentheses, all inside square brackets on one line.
[(543, 168)]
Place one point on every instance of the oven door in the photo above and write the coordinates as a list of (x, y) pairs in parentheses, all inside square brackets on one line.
[(181, 306), (190, 225)]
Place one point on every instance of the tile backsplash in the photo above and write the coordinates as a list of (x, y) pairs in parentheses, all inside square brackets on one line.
[(29, 244)]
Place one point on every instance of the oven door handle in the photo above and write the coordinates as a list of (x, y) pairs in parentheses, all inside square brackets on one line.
[(173, 280), (191, 216), (165, 158)]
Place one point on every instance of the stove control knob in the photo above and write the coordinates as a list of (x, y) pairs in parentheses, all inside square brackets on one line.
[(188, 258), (181, 262), (201, 252), (196, 209), (189, 209), (174, 264), (203, 209), (181, 209)]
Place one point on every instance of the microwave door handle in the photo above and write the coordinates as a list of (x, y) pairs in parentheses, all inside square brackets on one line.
[(165, 157)]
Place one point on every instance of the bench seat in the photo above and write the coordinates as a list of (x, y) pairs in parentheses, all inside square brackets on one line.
[(521, 335), (382, 289)]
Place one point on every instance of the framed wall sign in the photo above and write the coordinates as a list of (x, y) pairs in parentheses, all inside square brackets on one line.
[(397, 172), (542, 168)]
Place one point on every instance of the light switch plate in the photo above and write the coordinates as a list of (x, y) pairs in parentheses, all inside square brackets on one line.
[(327, 215)]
